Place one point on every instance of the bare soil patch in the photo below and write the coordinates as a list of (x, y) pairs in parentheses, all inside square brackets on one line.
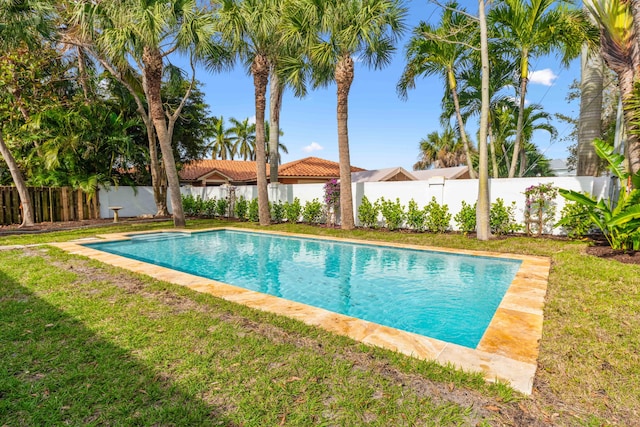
[(45, 227), (605, 251)]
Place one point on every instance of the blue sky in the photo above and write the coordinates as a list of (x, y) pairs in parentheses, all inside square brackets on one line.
[(384, 131)]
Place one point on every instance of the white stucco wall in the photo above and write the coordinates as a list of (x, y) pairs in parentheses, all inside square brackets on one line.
[(450, 192)]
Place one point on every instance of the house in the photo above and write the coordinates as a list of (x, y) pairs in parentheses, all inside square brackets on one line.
[(205, 173), (386, 174), (457, 172), (401, 174), (559, 168), (309, 170)]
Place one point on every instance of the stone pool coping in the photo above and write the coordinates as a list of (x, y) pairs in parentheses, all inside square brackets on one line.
[(508, 350)]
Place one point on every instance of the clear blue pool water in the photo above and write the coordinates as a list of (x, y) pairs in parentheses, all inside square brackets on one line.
[(446, 296)]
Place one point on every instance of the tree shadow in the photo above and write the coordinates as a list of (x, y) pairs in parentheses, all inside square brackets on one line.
[(56, 371)]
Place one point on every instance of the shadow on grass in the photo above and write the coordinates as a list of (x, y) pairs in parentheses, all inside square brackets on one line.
[(55, 371)]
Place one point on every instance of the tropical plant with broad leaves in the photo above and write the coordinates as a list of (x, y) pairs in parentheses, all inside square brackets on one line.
[(619, 220)]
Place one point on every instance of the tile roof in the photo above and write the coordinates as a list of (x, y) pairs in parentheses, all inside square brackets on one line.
[(238, 170), (378, 175), (234, 170), (312, 166), (448, 173)]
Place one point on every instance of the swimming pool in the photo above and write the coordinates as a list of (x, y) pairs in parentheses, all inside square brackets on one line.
[(450, 297)]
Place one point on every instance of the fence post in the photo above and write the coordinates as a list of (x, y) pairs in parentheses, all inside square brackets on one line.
[(80, 205)]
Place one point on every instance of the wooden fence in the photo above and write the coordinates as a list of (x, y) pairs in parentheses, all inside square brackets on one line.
[(49, 205)]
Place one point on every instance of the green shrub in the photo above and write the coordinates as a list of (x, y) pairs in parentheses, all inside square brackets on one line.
[(416, 217), (277, 211), (189, 205), (293, 210), (253, 213), (437, 216), (312, 212), (368, 213), (502, 218), (392, 213), (209, 207), (242, 206), (466, 218), (575, 220), (221, 207)]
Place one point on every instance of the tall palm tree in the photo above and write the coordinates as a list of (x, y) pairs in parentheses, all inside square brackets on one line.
[(145, 33), (243, 135), (221, 143), (251, 27), (22, 23), (443, 51), (440, 151), (533, 28), (80, 28), (619, 49), (344, 30), (590, 120), (483, 206)]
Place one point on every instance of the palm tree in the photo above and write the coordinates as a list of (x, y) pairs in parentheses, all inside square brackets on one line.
[(221, 143), (22, 24), (470, 95), (251, 27), (244, 138), (442, 51), (590, 121), (146, 33), (534, 120), (364, 29), (619, 49), (440, 151), (533, 28), (483, 206)]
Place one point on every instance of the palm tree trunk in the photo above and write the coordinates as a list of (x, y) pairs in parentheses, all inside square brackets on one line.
[(626, 81), (483, 227), (492, 147), (590, 122), (344, 77), (158, 181), (463, 134), (260, 72), (21, 186), (275, 93), (152, 72), (524, 77)]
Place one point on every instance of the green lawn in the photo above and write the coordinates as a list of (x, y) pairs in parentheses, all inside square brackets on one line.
[(89, 344)]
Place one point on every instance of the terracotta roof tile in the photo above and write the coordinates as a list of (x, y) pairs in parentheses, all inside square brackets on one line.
[(313, 166), (238, 170), (233, 169)]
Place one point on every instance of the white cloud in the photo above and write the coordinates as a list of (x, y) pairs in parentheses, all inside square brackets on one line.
[(314, 146), (543, 77), (252, 120)]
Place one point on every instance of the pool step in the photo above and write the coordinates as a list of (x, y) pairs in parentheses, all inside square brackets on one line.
[(154, 237)]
